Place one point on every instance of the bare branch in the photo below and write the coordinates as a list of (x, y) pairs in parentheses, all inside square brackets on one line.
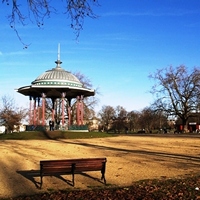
[(40, 9), (77, 11)]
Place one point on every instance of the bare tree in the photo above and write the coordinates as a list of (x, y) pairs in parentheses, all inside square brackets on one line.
[(132, 120), (177, 91), (107, 113), (89, 102), (120, 119), (146, 119), (150, 119), (10, 115), (37, 10)]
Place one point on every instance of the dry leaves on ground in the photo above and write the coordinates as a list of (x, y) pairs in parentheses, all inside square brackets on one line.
[(169, 189)]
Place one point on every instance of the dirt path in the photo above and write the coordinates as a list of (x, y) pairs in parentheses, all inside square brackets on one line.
[(130, 158)]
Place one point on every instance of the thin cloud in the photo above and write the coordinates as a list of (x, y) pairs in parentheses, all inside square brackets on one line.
[(16, 53), (150, 13), (120, 36)]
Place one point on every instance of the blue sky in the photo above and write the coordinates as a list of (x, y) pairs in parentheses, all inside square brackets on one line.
[(117, 51)]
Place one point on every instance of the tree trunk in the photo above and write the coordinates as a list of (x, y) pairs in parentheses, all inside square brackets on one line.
[(185, 126)]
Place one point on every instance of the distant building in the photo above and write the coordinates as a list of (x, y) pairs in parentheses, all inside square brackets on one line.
[(193, 123), (19, 128), (2, 129), (94, 124)]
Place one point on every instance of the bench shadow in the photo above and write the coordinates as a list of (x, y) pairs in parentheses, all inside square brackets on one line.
[(31, 174), (69, 182), (89, 176)]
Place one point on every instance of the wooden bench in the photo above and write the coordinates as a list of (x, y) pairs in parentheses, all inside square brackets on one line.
[(72, 166)]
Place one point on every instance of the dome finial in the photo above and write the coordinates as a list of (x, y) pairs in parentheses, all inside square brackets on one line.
[(58, 62)]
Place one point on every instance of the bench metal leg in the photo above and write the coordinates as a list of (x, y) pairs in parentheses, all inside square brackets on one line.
[(41, 181), (103, 170), (73, 179), (103, 178), (73, 169)]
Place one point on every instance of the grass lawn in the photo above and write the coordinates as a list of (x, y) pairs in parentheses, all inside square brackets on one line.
[(43, 135)]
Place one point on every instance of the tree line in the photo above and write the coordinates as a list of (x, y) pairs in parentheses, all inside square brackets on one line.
[(118, 120)]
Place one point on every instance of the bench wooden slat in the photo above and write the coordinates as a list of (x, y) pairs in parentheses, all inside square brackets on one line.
[(74, 160)]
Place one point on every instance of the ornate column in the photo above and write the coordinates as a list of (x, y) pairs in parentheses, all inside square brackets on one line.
[(69, 112), (82, 110), (69, 116), (43, 108), (63, 108), (38, 111), (79, 110), (34, 112), (30, 111), (53, 109)]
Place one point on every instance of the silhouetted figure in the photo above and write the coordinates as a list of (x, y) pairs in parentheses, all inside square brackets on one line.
[(51, 125), (57, 124)]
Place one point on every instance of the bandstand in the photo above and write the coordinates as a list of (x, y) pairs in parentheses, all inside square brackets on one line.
[(58, 85)]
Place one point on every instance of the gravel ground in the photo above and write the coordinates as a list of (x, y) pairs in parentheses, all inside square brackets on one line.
[(129, 159)]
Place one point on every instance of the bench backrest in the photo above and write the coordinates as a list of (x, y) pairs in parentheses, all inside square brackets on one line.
[(77, 165)]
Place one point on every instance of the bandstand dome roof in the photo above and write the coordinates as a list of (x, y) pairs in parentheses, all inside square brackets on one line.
[(57, 76), (54, 82)]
